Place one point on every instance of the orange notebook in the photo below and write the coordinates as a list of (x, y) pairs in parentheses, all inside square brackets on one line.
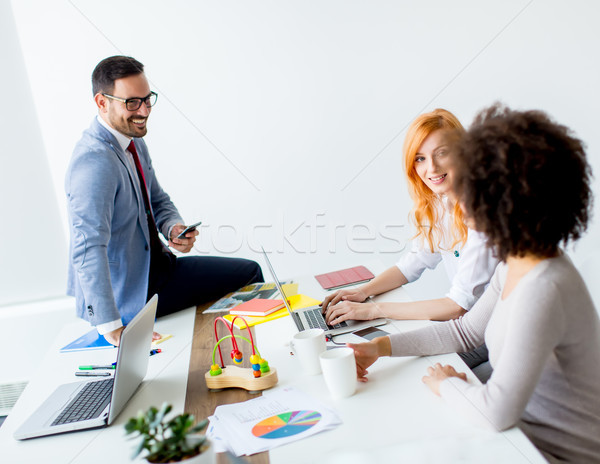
[(257, 307), (296, 302)]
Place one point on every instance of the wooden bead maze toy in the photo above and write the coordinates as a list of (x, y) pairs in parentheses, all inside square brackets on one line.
[(258, 377)]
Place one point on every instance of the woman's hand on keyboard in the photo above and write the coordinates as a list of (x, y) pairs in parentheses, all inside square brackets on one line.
[(348, 294), (349, 310)]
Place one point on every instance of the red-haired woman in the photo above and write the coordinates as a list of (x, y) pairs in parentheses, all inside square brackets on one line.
[(441, 236), (524, 181)]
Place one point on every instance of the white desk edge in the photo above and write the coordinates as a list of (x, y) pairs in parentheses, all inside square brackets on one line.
[(364, 414)]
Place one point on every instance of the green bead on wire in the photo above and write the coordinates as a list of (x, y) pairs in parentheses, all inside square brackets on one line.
[(259, 367)]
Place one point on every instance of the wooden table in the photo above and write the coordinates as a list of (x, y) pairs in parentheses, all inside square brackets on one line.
[(199, 400)]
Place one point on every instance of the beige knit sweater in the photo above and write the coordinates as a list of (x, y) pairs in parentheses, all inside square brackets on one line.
[(544, 346)]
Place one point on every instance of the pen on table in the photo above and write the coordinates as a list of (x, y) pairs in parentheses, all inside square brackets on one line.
[(155, 351), (92, 367), (92, 374)]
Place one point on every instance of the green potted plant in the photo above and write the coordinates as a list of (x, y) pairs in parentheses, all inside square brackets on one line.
[(173, 440)]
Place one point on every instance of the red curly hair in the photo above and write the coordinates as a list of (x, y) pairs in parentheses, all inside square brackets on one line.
[(425, 213)]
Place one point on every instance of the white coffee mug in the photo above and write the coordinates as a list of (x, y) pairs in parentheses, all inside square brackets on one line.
[(339, 371), (307, 346)]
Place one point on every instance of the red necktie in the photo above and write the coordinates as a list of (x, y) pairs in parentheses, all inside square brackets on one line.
[(155, 243)]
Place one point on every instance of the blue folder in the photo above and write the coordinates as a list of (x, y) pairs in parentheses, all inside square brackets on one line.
[(90, 341)]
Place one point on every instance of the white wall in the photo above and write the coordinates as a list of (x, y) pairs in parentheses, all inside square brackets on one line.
[(287, 114), (33, 251)]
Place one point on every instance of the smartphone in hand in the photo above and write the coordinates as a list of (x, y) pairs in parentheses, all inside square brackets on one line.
[(189, 229)]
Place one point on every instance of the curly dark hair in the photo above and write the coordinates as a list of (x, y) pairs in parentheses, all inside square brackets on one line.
[(524, 180)]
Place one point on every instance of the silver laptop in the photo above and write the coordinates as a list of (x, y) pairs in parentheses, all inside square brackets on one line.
[(312, 316), (97, 403)]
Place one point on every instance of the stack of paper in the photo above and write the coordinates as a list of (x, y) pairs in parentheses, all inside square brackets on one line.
[(271, 420)]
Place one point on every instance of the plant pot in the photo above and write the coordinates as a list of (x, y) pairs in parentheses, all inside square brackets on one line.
[(207, 456)]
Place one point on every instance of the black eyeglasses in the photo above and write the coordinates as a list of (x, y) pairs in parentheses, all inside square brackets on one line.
[(133, 104)]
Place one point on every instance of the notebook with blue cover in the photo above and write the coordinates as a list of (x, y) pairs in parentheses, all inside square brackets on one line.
[(89, 341)]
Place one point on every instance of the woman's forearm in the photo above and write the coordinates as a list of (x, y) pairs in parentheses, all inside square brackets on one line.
[(388, 280), (384, 346), (442, 309)]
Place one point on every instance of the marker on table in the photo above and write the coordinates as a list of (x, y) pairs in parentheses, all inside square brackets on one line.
[(91, 367)]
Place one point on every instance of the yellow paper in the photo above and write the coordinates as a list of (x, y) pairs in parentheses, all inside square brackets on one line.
[(296, 302), (290, 289), (162, 338), (301, 301)]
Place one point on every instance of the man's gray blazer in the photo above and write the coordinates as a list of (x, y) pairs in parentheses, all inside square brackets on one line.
[(110, 243)]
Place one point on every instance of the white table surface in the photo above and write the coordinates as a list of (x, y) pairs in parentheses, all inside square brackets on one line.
[(393, 417), (166, 380)]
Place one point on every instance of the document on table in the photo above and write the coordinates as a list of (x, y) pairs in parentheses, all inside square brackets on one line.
[(266, 290), (274, 419)]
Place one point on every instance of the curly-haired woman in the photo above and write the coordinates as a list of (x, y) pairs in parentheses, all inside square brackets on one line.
[(441, 236), (524, 182)]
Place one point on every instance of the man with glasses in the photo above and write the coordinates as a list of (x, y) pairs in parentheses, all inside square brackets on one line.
[(117, 209)]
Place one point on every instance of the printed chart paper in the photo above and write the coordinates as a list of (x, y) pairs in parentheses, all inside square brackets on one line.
[(272, 420)]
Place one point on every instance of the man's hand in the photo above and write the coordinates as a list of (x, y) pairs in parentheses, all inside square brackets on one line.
[(114, 337), (182, 244), (439, 373)]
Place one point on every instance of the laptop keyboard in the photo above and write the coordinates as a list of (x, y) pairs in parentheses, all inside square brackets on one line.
[(88, 404), (315, 320)]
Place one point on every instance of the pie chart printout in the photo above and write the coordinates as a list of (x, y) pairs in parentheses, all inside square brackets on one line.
[(286, 424)]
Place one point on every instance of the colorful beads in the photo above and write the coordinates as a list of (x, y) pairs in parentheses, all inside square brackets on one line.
[(259, 365), (238, 357), (264, 366), (256, 368)]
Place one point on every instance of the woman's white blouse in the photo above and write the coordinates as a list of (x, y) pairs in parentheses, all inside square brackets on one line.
[(469, 268)]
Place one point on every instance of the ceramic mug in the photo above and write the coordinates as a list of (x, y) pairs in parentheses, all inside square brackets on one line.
[(339, 371), (307, 346)]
